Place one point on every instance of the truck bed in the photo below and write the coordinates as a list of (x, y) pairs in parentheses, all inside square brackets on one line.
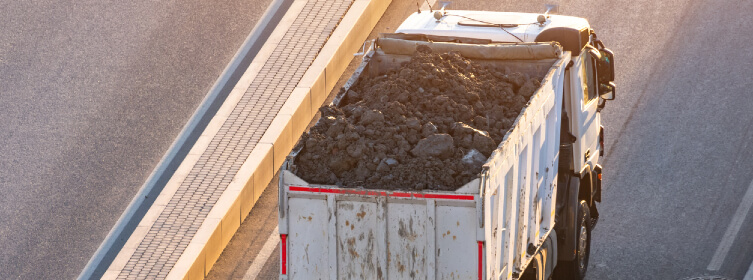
[(482, 229)]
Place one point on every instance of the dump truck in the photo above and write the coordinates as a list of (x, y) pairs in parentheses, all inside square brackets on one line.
[(530, 210)]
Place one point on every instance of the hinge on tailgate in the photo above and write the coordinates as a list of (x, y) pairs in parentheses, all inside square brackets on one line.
[(481, 191)]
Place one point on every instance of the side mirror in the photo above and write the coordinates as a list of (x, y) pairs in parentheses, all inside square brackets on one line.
[(607, 90), (605, 65)]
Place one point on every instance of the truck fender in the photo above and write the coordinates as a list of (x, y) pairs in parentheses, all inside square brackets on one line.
[(549, 255), (544, 260), (565, 228)]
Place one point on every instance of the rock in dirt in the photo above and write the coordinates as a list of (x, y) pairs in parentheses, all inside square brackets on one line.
[(437, 145), (474, 158), (529, 88), (472, 138), (428, 129), (429, 124), (484, 144), (372, 116)]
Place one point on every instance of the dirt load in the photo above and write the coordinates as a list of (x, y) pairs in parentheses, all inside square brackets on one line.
[(431, 124)]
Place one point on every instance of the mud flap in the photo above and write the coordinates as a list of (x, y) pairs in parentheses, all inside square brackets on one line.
[(596, 196)]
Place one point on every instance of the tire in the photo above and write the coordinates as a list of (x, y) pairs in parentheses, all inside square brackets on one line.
[(577, 268)]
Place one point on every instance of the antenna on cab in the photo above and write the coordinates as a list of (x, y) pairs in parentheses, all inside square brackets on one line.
[(429, 5)]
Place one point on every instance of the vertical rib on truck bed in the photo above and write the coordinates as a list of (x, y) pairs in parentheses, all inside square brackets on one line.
[(488, 229)]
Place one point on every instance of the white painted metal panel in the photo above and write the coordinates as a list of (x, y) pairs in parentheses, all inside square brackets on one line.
[(457, 250), (406, 240), (356, 240), (307, 239)]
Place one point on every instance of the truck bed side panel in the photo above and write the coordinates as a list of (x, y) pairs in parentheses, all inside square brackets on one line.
[(520, 191)]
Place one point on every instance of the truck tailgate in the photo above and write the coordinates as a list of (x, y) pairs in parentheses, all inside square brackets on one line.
[(372, 234)]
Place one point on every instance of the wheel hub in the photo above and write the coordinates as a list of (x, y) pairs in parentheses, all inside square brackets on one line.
[(582, 243)]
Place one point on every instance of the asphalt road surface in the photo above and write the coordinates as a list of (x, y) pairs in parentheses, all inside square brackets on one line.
[(679, 140), (92, 94)]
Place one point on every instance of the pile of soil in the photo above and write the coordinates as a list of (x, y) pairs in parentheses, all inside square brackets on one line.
[(430, 124)]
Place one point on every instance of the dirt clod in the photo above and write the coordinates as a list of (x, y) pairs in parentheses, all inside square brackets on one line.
[(430, 124), (435, 146)]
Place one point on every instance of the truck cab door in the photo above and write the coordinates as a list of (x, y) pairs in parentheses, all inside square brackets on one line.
[(586, 119)]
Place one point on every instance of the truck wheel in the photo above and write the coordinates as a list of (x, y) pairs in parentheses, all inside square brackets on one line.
[(576, 269)]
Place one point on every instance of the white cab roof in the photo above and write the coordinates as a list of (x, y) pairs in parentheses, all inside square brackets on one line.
[(527, 26)]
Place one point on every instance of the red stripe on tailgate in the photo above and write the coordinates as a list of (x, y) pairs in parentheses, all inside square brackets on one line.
[(284, 254), (381, 193), (480, 260)]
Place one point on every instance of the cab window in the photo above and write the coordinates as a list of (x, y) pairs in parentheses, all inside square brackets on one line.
[(589, 78)]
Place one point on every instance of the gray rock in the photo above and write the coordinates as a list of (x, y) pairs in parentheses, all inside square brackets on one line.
[(474, 158), (355, 150), (480, 121), (386, 164), (337, 126), (428, 129), (395, 108), (470, 137), (372, 116), (413, 123), (483, 143), (383, 167), (460, 129), (340, 164), (436, 145)]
